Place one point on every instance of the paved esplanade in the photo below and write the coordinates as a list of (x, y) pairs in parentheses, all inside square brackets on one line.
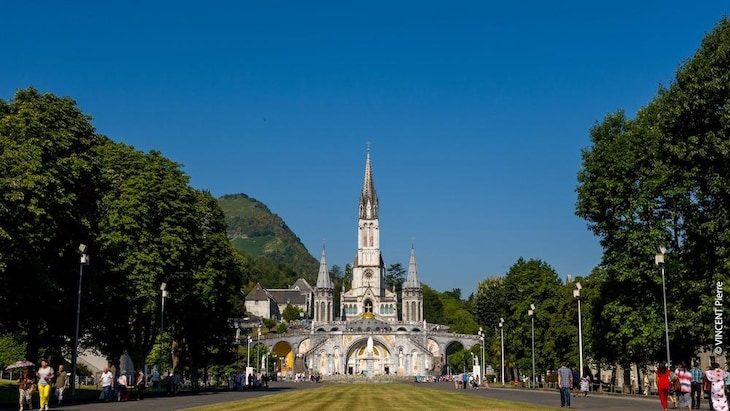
[(182, 401), (609, 402), (551, 398)]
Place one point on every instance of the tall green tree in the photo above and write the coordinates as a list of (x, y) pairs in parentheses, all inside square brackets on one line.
[(48, 199), (489, 302), (662, 178), (395, 277), (61, 184), (147, 237), (536, 282)]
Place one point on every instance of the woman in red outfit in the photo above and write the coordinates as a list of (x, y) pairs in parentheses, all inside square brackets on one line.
[(662, 383)]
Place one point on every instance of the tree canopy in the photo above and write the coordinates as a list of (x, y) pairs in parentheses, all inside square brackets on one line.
[(662, 178), (62, 185)]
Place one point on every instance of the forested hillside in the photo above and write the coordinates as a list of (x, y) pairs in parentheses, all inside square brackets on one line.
[(257, 232)]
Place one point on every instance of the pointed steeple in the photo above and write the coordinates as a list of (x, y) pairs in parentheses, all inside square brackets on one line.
[(323, 278), (368, 197), (412, 277)]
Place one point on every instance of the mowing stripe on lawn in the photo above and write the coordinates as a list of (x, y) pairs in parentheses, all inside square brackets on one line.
[(371, 397)]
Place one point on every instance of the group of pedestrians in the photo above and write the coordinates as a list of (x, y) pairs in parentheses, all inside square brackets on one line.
[(43, 380), (683, 386), (115, 388)]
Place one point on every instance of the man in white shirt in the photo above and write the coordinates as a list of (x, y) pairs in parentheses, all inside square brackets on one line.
[(107, 383)]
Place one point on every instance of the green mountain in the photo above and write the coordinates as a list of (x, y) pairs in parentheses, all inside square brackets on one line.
[(256, 231)]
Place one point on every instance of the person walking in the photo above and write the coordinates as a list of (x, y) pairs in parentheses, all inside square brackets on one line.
[(684, 394), (25, 389), (45, 377), (61, 383), (107, 384), (646, 384), (675, 388), (717, 376), (122, 386), (585, 384), (662, 380), (565, 383), (696, 385), (707, 387), (140, 384)]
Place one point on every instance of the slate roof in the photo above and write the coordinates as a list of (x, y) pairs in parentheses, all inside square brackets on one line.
[(258, 293), (294, 297), (302, 285)]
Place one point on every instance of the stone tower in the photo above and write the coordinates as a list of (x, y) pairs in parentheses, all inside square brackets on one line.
[(412, 294), (368, 295), (324, 293)]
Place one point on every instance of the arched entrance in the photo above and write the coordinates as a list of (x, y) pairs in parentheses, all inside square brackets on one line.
[(283, 358), (368, 357), (454, 358)]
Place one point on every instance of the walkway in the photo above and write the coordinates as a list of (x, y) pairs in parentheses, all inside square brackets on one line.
[(182, 401), (594, 401), (185, 400)]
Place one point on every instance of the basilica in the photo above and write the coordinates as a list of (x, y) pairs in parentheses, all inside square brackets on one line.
[(374, 333)]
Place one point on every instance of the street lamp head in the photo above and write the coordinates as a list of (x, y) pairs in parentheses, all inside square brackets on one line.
[(659, 257), (82, 248), (532, 306), (578, 286), (163, 286)]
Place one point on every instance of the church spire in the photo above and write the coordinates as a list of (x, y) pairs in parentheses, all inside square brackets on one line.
[(412, 277), (368, 197), (323, 278)]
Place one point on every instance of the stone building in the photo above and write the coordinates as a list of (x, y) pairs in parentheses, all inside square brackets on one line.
[(270, 303), (367, 336)]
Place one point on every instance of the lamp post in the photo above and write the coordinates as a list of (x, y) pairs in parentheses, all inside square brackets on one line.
[(238, 347), (531, 313), (501, 338), (258, 360), (576, 294), (248, 354), (83, 260), (482, 370), (659, 260), (163, 296)]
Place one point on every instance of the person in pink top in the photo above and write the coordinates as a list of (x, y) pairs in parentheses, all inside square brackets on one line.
[(685, 379)]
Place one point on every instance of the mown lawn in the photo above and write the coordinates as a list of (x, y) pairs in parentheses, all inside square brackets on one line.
[(366, 397)]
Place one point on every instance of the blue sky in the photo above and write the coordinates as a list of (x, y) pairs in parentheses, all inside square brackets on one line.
[(476, 111)]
